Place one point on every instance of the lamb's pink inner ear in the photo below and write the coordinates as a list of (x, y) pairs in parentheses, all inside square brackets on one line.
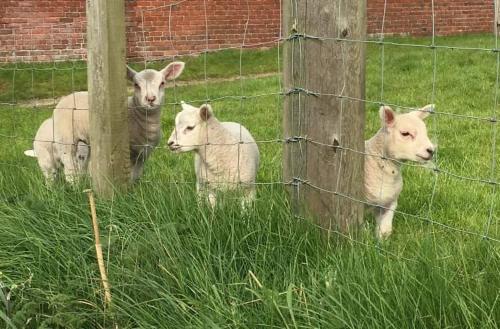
[(173, 70), (205, 113), (388, 117)]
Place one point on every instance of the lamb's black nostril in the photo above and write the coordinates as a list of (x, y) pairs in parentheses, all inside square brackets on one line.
[(430, 151), (170, 143)]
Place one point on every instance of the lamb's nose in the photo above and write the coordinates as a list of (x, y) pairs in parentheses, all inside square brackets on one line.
[(170, 143), (430, 151), (151, 99)]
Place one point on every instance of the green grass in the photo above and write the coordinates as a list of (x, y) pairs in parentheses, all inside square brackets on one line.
[(175, 264)]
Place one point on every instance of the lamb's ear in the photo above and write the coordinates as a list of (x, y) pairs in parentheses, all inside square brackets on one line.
[(387, 116), (424, 112), (187, 107), (206, 112), (173, 70), (130, 73)]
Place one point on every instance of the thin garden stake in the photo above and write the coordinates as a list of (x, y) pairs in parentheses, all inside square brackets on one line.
[(98, 249)]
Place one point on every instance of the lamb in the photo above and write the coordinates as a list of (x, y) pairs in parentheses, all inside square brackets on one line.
[(48, 158), (403, 137), (226, 155), (71, 122)]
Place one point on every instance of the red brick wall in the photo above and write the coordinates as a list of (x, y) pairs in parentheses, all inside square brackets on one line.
[(414, 17), (41, 30), (44, 30), (192, 27)]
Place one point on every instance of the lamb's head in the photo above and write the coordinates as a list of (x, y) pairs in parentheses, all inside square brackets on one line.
[(190, 128), (149, 85), (406, 134)]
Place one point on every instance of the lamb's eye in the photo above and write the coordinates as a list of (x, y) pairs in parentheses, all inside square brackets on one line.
[(405, 133), (137, 85), (189, 127), (162, 84)]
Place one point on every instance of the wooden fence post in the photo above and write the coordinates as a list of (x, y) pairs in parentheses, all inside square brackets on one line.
[(107, 86), (324, 80)]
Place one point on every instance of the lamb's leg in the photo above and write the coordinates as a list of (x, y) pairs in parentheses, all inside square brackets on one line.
[(203, 194), (137, 170), (49, 171), (68, 161), (46, 162), (202, 189), (200, 195), (384, 221), (248, 198), (212, 199), (70, 173)]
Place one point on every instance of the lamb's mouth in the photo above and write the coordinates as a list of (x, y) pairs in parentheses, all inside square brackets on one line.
[(425, 158), (150, 107), (174, 148)]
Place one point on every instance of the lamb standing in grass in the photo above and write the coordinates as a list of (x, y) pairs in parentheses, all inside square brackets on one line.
[(48, 159), (71, 122), (226, 155), (402, 137)]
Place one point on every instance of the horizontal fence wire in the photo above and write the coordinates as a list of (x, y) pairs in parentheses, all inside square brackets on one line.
[(490, 119), (303, 92), (296, 139)]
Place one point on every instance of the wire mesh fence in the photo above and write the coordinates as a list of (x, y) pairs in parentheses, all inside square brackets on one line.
[(256, 102)]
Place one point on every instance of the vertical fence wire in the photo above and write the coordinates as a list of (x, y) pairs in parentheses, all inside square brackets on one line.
[(433, 101), (494, 123)]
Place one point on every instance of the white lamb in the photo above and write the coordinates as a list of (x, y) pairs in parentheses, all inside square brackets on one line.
[(402, 137), (47, 156), (226, 155), (71, 122)]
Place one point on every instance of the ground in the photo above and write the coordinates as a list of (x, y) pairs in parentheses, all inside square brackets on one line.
[(175, 264)]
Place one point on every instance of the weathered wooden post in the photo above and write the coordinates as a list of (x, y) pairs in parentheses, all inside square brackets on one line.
[(107, 88), (324, 79)]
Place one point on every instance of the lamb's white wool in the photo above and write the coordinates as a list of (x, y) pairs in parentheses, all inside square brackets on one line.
[(71, 121), (403, 137), (47, 154), (43, 150), (226, 155)]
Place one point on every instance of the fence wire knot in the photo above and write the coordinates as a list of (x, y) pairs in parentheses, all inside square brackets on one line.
[(297, 181), (295, 36), (298, 90), (293, 139)]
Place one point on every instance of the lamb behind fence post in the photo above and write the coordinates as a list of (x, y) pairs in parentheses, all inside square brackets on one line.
[(320, 123)]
